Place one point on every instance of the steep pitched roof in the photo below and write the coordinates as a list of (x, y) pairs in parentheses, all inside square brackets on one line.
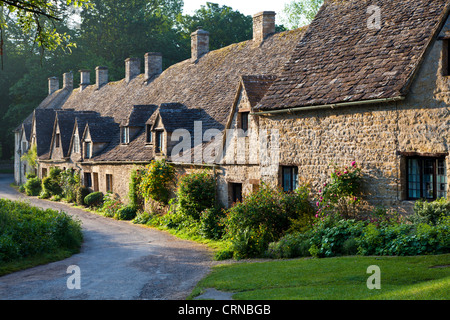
[(208, 84), (256, 87), (340, 59), (43, 120)]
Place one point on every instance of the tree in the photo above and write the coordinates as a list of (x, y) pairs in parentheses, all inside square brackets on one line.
[(226, 25), (301, 12), (37, 19)]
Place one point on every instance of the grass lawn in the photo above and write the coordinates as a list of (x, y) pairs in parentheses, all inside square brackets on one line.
[(343, 278)]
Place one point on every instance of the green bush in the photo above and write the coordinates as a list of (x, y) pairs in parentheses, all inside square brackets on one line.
[(51, 186), (263, 217), (27, 231), (196, 192), (70, 184), (33, 187), (156, 180), (94, 199), (127, 213), (330, 235), (211, 223), (292, 245), (430, 212), (81, 193), (334, 236)]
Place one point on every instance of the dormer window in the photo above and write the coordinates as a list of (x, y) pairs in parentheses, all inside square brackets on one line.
[(57, 140), (125, 135), (159, 141), (148, 131), (88, 150), (76, 143), (244, 121)]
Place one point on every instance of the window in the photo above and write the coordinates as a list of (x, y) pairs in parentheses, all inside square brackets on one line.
[(289, 177), (125, 136), (236, 192), (96, 181), (149, 134), (159, 141), (244, 121), (76, 143), (426, 178), (109, 183), (88, 180), (57, 140), (24, 147), (88, 151)]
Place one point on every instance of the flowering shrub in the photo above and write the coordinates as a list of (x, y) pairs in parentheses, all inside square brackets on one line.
[(264, 216), (156, 180), (341, 194), (111, 205)]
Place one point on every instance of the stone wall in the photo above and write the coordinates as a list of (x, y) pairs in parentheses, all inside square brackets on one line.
[(375, 136)]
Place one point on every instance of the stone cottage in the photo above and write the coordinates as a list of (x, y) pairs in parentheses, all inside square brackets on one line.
[(367, 81)]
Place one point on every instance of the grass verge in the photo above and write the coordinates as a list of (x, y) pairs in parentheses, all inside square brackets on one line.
[(343, 278), (34, 261)]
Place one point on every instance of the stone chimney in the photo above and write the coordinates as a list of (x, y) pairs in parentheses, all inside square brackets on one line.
[(199, 43), (101, 75), (132, 68), (153, 64), (53, 85), (68, 81), (85, 77), (263, 25)]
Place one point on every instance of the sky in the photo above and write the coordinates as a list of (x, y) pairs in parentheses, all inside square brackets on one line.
[(247, 7)]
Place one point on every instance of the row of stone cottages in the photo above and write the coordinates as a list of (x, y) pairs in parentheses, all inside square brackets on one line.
[(279, 108)]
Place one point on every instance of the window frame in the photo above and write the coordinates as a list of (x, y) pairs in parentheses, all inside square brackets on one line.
[(293, 183), (88, 179), (109, 183), (57, 140), (159, 141), (125, 135), (88, 150), (421, 164), (149, 137), (245, 120)]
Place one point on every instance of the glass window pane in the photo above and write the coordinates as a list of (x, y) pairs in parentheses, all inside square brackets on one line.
[(413, 178)]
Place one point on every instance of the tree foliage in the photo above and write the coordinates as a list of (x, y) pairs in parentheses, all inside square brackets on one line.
[(299, 13), (106, 32)]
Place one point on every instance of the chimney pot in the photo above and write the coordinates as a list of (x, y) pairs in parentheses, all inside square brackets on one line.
[(101, 75), (85, 79), (153, 64), (199, 43), (53, 85), (263, 25), (132, 68)]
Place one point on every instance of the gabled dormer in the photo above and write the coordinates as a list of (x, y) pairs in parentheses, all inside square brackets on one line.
[(241, 142), (41, 131), (135, 123), (97, 135)]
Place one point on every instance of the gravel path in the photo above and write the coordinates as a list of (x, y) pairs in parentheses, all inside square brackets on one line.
[(118, 261)]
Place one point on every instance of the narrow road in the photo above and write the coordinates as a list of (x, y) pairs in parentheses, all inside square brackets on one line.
[(118, 261)]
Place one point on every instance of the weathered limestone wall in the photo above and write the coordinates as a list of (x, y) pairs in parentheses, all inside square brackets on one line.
[(373, 136)]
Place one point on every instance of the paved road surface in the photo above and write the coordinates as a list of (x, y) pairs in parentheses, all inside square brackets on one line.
[(118, 261)]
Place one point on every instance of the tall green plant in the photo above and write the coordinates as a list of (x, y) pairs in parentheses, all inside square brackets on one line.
[(157, 177), (30, 157), (196, 192)]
